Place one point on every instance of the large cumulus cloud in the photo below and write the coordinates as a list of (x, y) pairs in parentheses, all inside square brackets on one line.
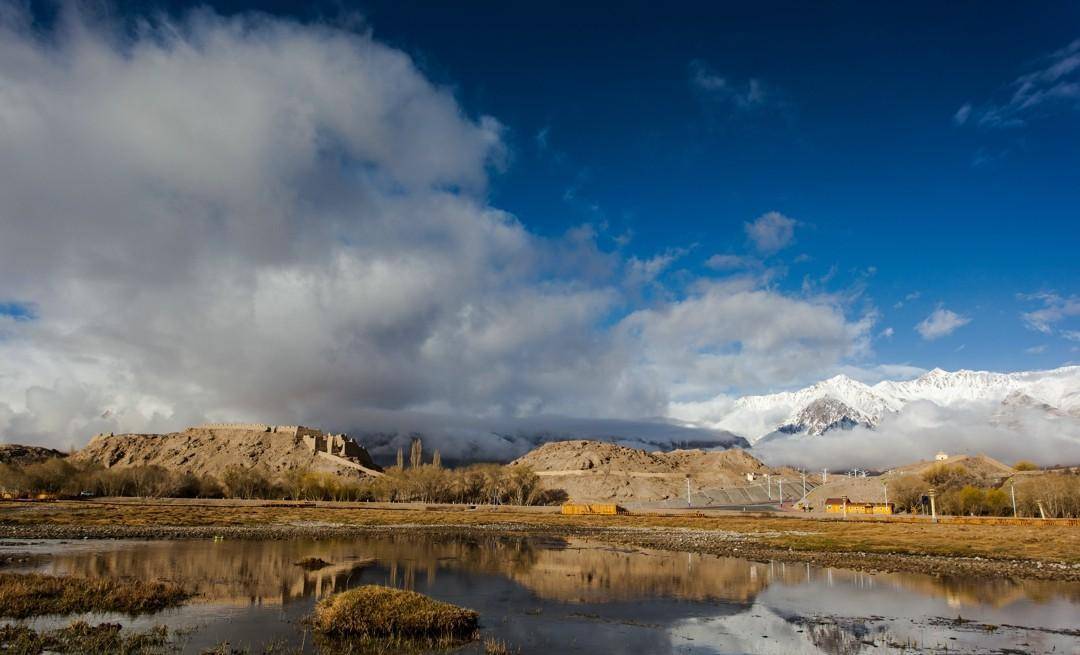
[(253, 218)]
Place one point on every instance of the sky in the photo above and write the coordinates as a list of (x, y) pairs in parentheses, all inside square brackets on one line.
[(309, 212)]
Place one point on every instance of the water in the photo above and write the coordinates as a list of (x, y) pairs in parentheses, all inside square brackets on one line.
[(580, 596)]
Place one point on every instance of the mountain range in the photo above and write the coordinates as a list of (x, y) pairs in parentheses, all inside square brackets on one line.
[(841, 402)]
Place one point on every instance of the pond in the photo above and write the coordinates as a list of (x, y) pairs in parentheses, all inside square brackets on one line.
[(554, 595)]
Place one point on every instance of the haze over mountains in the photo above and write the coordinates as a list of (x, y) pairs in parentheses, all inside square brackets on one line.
[(841, 402)]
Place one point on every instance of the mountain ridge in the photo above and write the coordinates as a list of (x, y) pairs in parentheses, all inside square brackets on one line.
[(842, 401)]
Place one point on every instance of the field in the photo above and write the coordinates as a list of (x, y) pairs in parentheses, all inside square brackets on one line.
[(1032, 550)]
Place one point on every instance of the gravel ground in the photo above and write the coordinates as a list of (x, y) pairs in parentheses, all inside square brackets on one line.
[(716, 542)]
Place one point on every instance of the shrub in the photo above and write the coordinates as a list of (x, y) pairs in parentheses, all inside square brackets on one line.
[(1025, 465), (34, 594), (382, 612)]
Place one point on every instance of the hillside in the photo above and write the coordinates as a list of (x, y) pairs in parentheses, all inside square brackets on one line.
[(211, 450), (602, 471), (18, 455)]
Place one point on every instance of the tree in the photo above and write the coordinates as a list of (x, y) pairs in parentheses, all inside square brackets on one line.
[(436, 459), (400, 459), (1025, 465), (416, 453)]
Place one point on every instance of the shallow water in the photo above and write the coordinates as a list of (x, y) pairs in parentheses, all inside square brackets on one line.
[(581, 596)]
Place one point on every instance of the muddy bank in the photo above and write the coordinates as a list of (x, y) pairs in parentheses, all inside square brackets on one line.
[(714, 542)]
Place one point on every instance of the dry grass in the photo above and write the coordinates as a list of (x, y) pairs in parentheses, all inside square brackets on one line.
[(494, 646), (81, 637), (376, 612), (33, 594), (1033, 541)]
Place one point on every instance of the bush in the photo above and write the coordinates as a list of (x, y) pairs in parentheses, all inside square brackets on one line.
[(1025, 465), (382, 612)]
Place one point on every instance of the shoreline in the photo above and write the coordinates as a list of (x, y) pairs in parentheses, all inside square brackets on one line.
[(721, 543)]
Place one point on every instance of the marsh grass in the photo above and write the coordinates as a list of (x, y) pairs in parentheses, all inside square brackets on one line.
[(34, 594), (81, 637), (393, 617)]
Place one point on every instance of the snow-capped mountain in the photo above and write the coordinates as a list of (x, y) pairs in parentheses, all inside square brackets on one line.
[(842, 402)]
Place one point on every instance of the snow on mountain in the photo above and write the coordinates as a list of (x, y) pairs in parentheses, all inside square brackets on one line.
[(843, 402)]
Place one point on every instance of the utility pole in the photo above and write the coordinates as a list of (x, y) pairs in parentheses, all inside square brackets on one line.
[(781, 482), (824, 476), (688, 502), (804, 485), (1012, 490), (886, 488), (768, 483), (933, 506)]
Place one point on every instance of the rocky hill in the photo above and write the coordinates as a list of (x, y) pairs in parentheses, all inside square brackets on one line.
[(599, 471), (211, 450), (17, 455)]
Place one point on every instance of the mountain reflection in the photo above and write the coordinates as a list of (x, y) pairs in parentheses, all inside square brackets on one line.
[(564, 570)]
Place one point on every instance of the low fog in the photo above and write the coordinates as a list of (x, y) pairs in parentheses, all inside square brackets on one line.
[(923, 428)]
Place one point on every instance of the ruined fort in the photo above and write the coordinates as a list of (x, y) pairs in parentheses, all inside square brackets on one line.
[(213, 447), (331, 446)]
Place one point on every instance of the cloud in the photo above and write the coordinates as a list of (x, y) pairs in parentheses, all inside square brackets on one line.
[(771, 232), (251, 218), (743, 97), (923, 428), (940, 323), (962, 114), (722, 262), (887, 333), (1036, 350), (1055, 309), (1054, 86), (914, 295), (733, 335), (1071, 335)]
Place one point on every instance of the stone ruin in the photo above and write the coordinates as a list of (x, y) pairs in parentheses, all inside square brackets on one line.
[(337, 445)]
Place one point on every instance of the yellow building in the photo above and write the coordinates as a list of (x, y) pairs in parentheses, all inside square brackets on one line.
[(593, 508), (836, 506)]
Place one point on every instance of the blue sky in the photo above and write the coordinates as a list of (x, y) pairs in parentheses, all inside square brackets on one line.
[(851, 134), (515, 210)]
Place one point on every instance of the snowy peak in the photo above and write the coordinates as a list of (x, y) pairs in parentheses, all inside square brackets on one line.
[(842, 402), (826, 414)]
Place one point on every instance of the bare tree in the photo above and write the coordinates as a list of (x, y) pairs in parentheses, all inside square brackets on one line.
[(416, 453)]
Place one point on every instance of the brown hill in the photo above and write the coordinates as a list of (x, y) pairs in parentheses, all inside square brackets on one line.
[(11, 453), (601, 471), (212, 449)]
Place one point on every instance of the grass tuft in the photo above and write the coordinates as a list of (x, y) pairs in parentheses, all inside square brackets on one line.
[(34, 594), (81, 637), (379, 612)]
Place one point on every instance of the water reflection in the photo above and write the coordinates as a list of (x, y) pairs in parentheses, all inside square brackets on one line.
[(570, 595)]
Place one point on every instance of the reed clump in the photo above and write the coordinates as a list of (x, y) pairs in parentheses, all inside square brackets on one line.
[(34, 594), (376, 612), (81, 637)]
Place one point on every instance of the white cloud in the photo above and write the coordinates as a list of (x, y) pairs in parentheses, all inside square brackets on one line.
[(940, 323), (722, 262), (962, 114), (1055, 309), (1053, 86), (771, 232), (746, 96), (733, 335), (1036, 350), (254, 219), (1071, 335), (923, 428), (887, 333)]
